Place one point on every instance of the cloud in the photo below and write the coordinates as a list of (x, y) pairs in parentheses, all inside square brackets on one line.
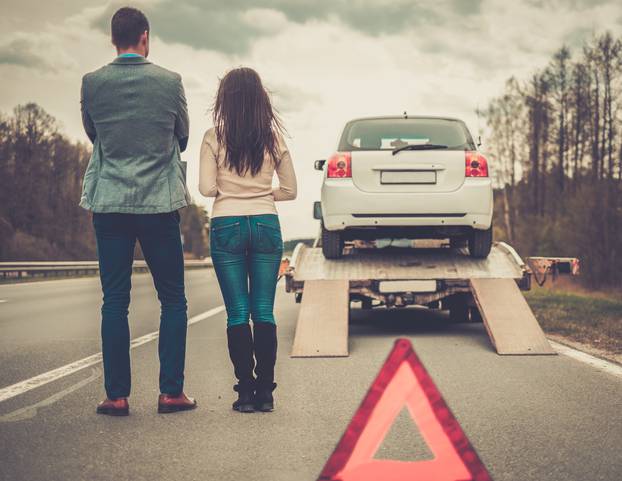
[(35, 15), (374, 17), (467, 7), (265, 20), (325, 62), (289, 98), (232, 27), (22, 52), (578, 4), (225, 29), (576, 38)]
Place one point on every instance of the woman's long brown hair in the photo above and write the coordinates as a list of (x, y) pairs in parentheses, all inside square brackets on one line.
[(245, 122)]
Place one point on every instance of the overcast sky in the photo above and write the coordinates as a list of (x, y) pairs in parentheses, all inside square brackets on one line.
[(325, 61)]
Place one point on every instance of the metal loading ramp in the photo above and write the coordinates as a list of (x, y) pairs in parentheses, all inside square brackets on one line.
[(322, 329), (509, 321), (325, 287)]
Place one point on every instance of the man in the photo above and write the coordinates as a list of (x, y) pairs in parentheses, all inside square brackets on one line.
[(135, 114)]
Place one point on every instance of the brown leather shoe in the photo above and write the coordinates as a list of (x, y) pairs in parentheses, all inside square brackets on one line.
[(114, 407), (173, 404)]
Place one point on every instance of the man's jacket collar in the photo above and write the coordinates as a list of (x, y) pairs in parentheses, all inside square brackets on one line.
[(130, 61)]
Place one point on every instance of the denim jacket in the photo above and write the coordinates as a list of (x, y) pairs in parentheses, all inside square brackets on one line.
[(135, 114)]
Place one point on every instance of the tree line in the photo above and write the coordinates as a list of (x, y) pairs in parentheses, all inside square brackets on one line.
[(41, 171), (556, 149)]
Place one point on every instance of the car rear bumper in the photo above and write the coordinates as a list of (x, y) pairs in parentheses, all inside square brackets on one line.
[(344, 206), (342, 222)]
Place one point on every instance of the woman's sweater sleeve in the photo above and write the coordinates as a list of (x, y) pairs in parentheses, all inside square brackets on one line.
[(287, 189), (208, 168)]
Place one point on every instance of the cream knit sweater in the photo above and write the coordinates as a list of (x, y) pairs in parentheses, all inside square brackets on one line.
[(247, 194)]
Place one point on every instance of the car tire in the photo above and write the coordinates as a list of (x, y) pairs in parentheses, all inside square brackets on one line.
[(475, 315), (480, 243), (457, 306), (457, 242), (332, 244), (458, 311), (434, 305)]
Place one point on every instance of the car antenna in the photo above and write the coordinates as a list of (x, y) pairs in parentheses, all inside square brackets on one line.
[(405, 114)]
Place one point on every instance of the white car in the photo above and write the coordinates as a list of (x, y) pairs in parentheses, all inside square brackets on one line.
[(406, 177)]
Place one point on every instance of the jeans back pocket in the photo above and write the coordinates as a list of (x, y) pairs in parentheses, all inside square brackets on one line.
[(226, 238), (269, 238)]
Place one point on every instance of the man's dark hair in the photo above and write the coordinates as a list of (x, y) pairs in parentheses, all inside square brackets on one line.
[(127, 25)]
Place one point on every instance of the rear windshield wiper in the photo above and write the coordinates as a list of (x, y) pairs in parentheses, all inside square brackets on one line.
[(419, 147)]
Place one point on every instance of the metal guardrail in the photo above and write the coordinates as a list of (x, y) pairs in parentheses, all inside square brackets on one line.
[(44, 269)]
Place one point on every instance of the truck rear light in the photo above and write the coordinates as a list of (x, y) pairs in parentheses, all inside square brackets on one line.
[(340, 166), (476, 164)]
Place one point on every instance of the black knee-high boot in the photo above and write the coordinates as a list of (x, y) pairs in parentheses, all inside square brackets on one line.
[(265, 353), (240, 343)]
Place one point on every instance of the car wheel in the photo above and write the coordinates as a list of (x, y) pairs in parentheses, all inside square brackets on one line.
[(434, 305), (475, 315), (480, 243), (459, 313), (332, 244), (458, 308), (457, 242)]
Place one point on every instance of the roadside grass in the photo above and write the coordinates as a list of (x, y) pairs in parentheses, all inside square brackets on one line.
[(583, 318)]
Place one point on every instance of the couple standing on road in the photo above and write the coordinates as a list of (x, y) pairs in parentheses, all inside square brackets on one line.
[(135, 114)]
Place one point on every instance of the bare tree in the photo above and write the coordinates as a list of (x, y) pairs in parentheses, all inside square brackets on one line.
[(570, 114), (42, 175)]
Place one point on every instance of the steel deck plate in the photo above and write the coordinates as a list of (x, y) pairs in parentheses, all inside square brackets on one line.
[(395, 263)]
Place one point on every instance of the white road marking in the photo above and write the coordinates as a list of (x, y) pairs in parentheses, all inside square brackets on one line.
[(63, 371), (29, 412), (595, 362), (2, 300)]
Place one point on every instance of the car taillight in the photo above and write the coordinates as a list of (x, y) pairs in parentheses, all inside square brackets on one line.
[(476, 165), (340, 166)]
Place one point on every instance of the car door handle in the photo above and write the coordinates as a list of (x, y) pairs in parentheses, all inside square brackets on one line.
[(409, 167)]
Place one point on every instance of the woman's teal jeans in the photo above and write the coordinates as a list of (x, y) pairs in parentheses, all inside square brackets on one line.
[(246, 252)]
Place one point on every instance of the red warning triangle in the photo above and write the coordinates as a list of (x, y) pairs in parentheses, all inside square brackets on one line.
[(403, 381)]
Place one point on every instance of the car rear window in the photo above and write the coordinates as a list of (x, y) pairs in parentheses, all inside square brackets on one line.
[(388, 134)]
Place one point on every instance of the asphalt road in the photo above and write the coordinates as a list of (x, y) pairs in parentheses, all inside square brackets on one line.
[(529, 418)]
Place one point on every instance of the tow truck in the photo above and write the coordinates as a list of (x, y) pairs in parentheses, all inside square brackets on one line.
[(432, 274)]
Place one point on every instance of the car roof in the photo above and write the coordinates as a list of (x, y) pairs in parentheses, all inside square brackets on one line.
[(397, 117)]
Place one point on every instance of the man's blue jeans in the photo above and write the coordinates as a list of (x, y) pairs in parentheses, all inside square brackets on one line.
[(160, 241), (246, 252)]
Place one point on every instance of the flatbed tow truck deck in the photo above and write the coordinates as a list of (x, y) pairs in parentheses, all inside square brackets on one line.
[(471, 289)]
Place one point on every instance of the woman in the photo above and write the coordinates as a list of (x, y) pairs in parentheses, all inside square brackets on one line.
[(239, 157)]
